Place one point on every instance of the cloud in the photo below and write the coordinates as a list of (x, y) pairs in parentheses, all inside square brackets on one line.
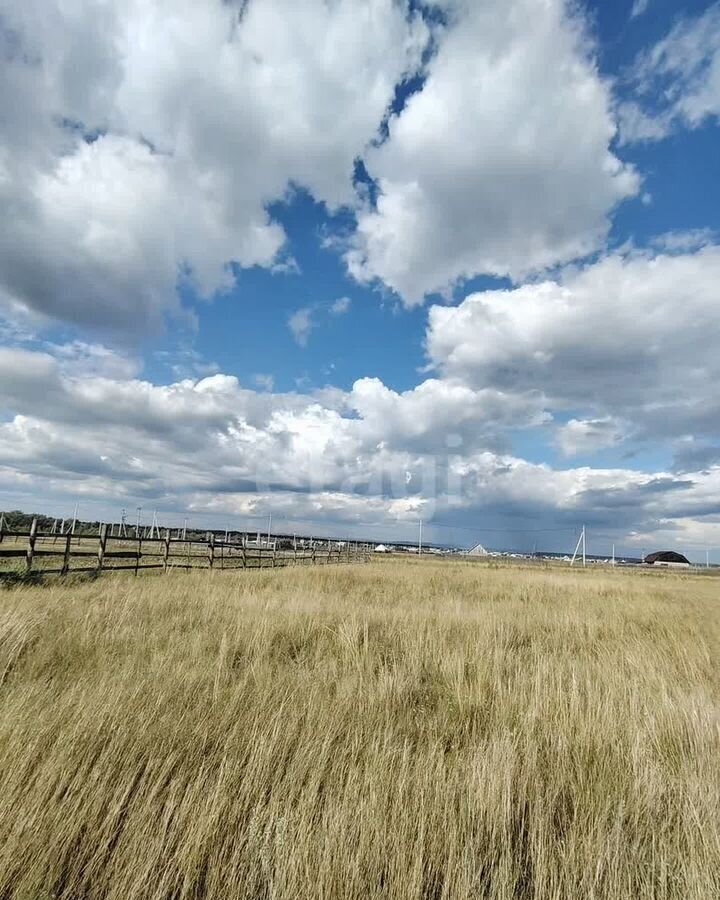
[(501, 164), (340, 306), (81, 359), (588, 435), (442, 414), (304, 320), (143, 141), (631, 337), (676, 81), (685, 241), (264, 382), (213, 447), (636, 125), (639, 7), (692, 455), (301, 323)]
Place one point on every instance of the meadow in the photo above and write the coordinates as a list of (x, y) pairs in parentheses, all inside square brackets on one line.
[(403, 729)]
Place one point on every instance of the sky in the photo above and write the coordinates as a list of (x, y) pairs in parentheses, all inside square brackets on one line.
[(358, 264)]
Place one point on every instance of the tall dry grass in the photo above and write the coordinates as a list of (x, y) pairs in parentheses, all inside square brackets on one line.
[(399, 730)]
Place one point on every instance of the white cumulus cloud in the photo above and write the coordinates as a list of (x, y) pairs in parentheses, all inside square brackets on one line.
[(141, 141), (501, 163), (634, 337)]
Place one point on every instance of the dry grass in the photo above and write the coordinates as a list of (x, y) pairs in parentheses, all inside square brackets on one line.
[(399, 730)]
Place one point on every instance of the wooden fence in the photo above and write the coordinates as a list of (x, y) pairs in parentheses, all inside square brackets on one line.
[(32, 552)]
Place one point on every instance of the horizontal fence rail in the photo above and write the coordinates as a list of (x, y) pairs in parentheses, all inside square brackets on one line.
[(35, 553)]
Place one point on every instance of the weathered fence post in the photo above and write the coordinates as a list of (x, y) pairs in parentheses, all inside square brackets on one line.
[(211, 549), (243, 551), (312, 556), (31, 546), (273, 553), (166, 550), (102, 543), (138, 554), (66, 555)]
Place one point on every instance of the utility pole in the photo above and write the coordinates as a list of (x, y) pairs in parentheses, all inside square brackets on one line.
[(185, 529), (420, 540), (137, 522), (581, 540), (74, 521), (269, 528)]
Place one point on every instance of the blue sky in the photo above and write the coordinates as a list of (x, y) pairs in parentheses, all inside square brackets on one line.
[(365, 263)]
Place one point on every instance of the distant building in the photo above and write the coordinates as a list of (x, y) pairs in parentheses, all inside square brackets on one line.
[(668, 558), (478, 550), (381, 548)]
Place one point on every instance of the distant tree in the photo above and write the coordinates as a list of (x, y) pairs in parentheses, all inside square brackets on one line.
[(17, 520)]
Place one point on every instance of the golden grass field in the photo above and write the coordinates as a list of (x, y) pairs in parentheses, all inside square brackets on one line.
[(403, 729)]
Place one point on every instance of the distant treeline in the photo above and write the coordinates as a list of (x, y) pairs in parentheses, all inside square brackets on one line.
[(16, 520)]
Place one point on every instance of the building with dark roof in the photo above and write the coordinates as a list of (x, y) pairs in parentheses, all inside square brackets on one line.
[(666, 558)]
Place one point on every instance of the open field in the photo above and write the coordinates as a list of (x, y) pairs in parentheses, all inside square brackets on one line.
[(404, 729)]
